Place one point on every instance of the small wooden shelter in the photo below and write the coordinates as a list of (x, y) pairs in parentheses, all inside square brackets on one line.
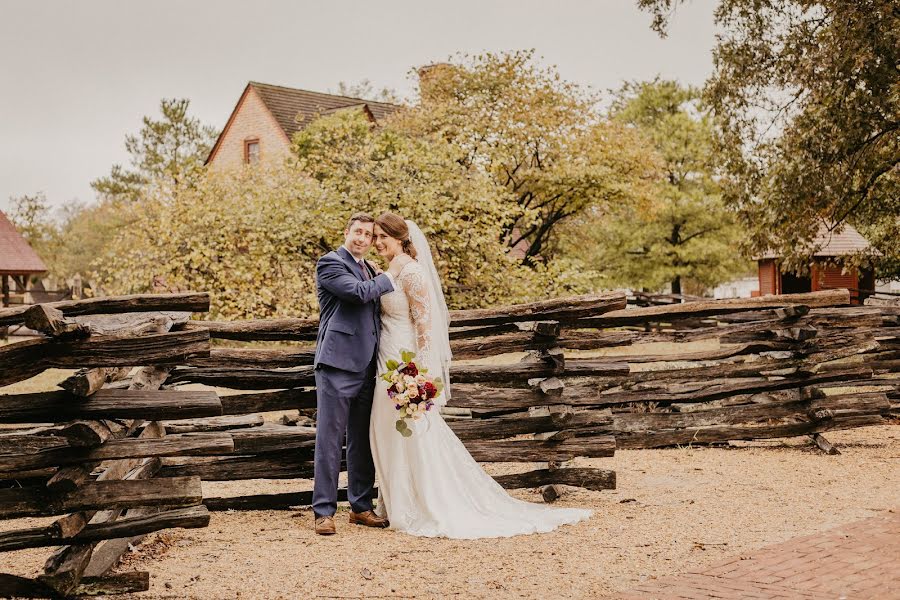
[(18, 260), (826, 270)]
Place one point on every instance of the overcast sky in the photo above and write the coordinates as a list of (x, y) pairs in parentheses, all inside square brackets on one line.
[(78, 76)]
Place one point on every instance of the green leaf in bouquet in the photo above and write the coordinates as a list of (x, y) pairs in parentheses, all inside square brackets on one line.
[(407, 356), (392, 365), (438, 384), (386, 377), (403, 428)]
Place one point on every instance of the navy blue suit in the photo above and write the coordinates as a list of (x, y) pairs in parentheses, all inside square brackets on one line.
[(346, 346)]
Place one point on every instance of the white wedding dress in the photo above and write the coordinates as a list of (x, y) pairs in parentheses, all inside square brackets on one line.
[(429, 484)]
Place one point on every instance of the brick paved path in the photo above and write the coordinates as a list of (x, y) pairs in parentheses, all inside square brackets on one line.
[(859, 560)]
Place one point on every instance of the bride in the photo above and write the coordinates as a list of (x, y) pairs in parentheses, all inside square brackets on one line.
[(429, 484)]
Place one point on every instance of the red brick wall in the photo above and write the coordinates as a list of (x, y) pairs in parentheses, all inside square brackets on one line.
[(251, 120), (768, 277)]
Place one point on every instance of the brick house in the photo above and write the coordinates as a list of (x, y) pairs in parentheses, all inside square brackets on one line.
[(266, 117), (826, 271)]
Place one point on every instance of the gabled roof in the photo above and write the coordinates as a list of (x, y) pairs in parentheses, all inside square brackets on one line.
[(830, 243), (294, 109), (16, 256)]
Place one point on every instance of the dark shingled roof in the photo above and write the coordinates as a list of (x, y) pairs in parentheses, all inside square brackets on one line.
[(16, 256), (294, 109)]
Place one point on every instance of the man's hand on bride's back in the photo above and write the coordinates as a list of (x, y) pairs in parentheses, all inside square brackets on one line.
[(375, 267), (397, 264)]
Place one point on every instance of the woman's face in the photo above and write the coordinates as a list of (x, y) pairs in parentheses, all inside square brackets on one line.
[(385, 245)]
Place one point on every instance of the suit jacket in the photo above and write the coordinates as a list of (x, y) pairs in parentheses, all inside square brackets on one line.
[(349, 311)]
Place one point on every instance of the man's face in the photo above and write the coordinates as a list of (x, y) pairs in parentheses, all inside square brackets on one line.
[(358, 238)]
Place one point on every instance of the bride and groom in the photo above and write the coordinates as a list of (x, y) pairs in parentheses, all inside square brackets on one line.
[(429, 484)]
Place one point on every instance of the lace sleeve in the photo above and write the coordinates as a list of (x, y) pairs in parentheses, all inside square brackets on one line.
[(416, 290)]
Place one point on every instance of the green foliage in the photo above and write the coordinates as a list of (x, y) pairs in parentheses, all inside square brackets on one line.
[(170, 150), (684, 232), (807, 99), (535, 136), (458, 207), (249, 237)]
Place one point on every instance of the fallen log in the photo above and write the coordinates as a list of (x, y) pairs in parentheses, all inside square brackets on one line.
[(540, 450), (74, 434), (87, 381), (50, 321), (100, 495), (286, 465)]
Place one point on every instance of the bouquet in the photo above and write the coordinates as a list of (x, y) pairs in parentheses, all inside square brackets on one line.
[(411, 391)]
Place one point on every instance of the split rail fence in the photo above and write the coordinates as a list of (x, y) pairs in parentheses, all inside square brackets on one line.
[(121, 450)]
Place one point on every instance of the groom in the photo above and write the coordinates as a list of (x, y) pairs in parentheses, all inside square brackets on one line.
[(349, 329)]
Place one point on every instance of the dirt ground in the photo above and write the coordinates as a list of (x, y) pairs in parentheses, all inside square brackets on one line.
[(674, 509)]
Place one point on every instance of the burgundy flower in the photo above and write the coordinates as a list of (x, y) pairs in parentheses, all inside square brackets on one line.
[(410, 369), (430, 389)]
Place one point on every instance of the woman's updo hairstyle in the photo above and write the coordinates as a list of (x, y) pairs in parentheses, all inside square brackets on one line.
[(396, 227)]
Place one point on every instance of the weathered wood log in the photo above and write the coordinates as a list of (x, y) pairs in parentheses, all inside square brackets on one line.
[(294, 398), (133, 324), (188, 444), (69, 435), (588, 478), (24, 360), (591, 479), (536, 328), (224, 423), (706, 435), (146, 379), (664, 386), (824, 445), (181, 302), (114, 404), (261, 329), (13, 586), (100, 495), (285, 465), (264, 379), (35, 537), (244, 379), (87, 381), (540, 450), (562, 309), (50, 321), (693, 310), (253, 358), (518, 341)]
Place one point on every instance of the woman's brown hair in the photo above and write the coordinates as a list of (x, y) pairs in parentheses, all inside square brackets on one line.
[(396, 227)]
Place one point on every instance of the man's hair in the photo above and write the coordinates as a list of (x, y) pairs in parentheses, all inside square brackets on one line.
[(362, 217)]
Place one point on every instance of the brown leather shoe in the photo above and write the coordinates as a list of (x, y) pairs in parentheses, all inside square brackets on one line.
[(369, 519), (325, 526)]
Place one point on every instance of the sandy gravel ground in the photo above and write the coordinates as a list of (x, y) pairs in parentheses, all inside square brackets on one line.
[(674, 509)]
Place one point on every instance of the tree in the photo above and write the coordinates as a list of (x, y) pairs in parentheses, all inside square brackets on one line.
[(536, 136), (684, 232), (459, 208), (807, 100), (366, 91), (172, 149)]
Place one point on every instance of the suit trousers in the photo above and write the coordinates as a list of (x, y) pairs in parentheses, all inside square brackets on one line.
[(343, 409)]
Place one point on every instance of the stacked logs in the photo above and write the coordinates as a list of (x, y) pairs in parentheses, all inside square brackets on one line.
[(116, 443), (91, 452), (283, 379)]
